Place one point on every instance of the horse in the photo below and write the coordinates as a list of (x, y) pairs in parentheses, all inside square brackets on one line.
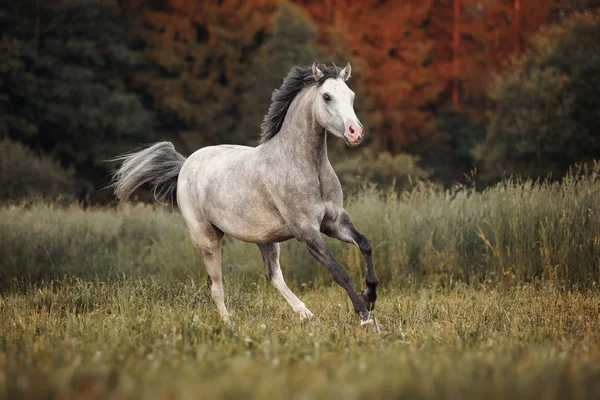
[(283, 188)]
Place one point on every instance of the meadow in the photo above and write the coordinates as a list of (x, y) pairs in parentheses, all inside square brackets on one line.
[(489, 294)]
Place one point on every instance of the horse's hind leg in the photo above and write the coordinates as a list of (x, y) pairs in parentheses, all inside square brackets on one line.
[(207, 240), (270, 254)]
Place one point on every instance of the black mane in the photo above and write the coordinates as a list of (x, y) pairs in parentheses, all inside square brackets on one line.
[(297, 79)]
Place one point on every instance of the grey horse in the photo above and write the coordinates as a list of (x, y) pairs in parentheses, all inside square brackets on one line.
[(284, 188)]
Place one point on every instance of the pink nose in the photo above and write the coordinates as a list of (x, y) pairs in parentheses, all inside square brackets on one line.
[(355, 133)]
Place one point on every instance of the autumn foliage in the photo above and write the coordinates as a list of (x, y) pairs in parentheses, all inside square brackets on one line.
[(411, 58)]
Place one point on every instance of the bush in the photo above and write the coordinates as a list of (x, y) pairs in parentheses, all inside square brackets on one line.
[(381, 170), (25, 175)]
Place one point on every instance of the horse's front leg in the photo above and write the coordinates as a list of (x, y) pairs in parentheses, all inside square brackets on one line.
[(341, 227), (311, 237)]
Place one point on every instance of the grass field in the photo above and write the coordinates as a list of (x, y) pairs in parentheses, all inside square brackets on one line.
[(152, 338), (483, 295)]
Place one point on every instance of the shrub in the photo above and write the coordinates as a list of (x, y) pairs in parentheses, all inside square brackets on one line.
[(381, 170), (25, 175)]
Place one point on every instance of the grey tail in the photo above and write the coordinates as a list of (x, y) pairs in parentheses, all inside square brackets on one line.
[(159, 165)]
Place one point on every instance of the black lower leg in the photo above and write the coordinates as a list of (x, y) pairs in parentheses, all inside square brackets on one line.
[(346, 231), (370, 293), (317, 250)]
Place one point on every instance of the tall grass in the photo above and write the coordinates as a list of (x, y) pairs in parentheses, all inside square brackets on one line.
[(512, 233)]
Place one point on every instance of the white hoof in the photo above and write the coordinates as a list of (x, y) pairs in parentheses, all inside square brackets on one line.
[(370, 325), (305, 315)]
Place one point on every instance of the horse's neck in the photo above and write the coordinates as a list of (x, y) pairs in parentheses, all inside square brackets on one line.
[(300, 135)]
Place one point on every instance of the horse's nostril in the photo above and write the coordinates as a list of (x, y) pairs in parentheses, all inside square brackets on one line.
[(351, 129)]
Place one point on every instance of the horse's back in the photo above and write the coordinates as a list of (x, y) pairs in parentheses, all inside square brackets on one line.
[(206, 153)]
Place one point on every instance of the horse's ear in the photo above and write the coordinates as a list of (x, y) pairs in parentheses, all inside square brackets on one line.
[(345, 73), (317, 73)]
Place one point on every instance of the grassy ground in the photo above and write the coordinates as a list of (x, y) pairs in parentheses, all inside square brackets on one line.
[(153, 338), (483, 295)]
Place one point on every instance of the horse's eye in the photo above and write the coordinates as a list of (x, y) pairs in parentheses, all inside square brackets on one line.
[(326, 97)]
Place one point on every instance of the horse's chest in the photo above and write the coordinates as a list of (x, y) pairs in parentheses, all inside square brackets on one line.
[(331, 200), (331, 189)]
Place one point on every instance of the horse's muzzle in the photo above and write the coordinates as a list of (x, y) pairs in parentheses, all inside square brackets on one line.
[(353, 135)]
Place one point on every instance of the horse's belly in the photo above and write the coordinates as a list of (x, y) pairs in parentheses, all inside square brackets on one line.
[(246, 215), (253, 231)]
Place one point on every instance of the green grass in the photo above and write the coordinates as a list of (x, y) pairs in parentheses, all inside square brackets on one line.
[(483, 295)]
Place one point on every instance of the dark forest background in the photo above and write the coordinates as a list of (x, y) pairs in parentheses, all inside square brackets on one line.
[(448, 90)]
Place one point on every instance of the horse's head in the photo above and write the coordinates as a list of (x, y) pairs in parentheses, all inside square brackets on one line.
[(334, 107)]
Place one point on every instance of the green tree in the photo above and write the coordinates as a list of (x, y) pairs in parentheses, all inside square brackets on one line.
[(292, 41), (64, 76), (450, 158), (548, 106)]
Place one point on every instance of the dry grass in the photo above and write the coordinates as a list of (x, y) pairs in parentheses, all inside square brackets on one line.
[(153, 338)]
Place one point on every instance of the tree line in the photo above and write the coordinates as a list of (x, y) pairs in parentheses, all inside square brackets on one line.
[(443, 87)]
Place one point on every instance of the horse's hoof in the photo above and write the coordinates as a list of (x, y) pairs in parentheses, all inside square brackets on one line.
[(369, 301), (370, 325), (307, 317), (308, 322)]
